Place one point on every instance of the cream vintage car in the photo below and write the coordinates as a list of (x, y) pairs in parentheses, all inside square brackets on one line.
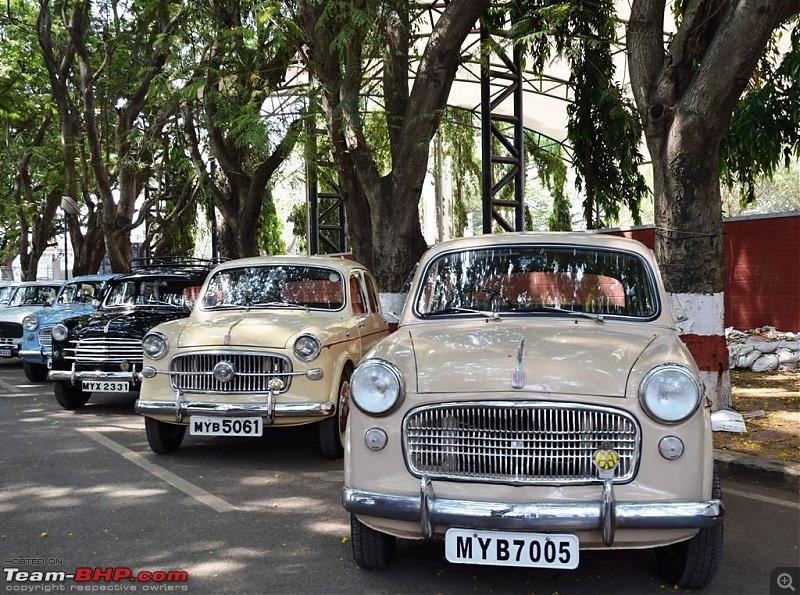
[(270, 341), (535, 402)]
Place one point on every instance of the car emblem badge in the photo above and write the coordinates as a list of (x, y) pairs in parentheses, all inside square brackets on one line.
[(518, 376), (125, 366), (226, 339)]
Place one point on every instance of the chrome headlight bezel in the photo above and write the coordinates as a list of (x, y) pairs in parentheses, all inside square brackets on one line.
[(155, 345), (670, 393), (59, 332), (30, 323), (307, 348), (377, 386)]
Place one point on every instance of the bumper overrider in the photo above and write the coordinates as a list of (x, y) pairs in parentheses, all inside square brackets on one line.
[(605, 514), (268, 409), (42, 355)]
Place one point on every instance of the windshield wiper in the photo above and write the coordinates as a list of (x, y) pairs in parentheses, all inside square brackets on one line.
[(278, 305), (598, 318), (459, 310)]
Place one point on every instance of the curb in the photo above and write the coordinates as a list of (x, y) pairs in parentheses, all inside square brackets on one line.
[(744, 466)]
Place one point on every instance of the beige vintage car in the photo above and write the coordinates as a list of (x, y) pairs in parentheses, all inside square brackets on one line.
[(270, 341), (536, 401)]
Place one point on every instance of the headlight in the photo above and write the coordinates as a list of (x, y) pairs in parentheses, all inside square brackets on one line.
[(59, 332), (29, 323), (670, 393), (306, 348), (155, 345), (376, 386)]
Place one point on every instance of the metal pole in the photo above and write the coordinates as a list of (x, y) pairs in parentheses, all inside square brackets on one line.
[(66, 258)]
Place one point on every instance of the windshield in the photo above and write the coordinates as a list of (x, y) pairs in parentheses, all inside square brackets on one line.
[(154, 292), (81, 292), (34, 295), (276, 286), (536, 278)]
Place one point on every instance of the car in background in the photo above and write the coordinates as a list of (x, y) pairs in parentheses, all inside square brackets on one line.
[(536, 401), (80, 295), (102, 351), (28, 296), (7, 289), (272, 341)]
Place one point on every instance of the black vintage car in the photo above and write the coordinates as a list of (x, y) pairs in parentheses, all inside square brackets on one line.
[(102, 351)]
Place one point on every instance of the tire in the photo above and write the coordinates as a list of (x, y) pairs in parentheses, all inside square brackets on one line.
[(70, 397), (372, 550), (162, 437), (34, 372), (693, 563), (332, 430)]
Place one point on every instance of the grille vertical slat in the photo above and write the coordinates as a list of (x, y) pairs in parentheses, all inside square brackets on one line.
[(520, 442), (193, 372)]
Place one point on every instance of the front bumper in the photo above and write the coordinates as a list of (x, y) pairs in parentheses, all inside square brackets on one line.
[(39, 356), (72, 375), (605, 514), (268, 409)]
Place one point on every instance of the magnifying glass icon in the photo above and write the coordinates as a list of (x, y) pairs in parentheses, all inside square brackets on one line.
[(784, 581)]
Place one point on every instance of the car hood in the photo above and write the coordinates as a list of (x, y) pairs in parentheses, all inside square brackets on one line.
[(17, 313), (263, 329), (129, 324), (565, 357), (58, 313)]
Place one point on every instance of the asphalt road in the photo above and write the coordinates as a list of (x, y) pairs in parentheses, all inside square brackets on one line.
[(82, 490)]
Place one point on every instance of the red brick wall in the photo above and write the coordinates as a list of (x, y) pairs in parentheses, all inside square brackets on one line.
[(762, 269)]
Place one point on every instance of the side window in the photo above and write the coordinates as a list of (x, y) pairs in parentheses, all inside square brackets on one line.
[(372, 293), (357, 296)]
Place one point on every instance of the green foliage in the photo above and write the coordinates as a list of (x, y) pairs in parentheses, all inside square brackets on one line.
[(298, 218), (764, 133), (603, 126), (270, 228), (460, 146)]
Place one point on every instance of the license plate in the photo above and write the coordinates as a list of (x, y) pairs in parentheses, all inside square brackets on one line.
[(105, 386), (505, 548), (205, 425), (5, 352)]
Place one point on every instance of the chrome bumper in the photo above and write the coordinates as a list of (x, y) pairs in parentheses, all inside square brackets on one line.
[(30, 354), (73, 375), (605, 514), (267, 409)]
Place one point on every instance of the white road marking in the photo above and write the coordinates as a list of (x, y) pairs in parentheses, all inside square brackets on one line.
[(760, 498), (175, 481), (9, 387)]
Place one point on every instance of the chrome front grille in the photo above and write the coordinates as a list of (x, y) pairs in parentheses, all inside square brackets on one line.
[(194, 372), (518, 442), (45, 338), (104, 350)]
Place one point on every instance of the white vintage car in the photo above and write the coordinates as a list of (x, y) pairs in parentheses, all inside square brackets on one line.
[(535, 401), (270, 341)]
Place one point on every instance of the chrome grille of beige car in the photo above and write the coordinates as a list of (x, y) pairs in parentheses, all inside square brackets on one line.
[(104, 350), (519, 442), (194, 372)]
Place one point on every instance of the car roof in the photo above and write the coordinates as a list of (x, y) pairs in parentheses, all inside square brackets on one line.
[(338, 262)]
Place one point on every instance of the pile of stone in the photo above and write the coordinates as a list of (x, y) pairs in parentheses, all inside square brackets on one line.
[(763, 349)]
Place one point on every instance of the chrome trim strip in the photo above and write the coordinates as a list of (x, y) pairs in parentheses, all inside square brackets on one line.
[(235, 409), (529, 516)]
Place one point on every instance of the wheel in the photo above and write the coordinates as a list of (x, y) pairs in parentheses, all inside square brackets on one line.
[(162, 437), (34, 372), (692, 564), (332, 430), (372, 550), (69, 396)]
